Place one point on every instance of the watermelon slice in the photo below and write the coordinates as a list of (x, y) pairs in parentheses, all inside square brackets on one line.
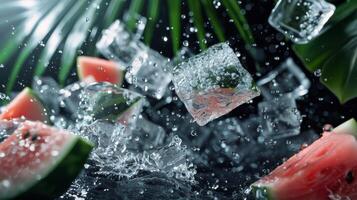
[(326, 169), (26, 104), (40, 162), (99, 70)]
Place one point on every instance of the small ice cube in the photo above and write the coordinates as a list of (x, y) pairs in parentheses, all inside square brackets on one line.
[(301, 20), (213, 83), (280, 116), (146, 68), (230, 140), (253, 126), (47, 90), (110, 102), (288, 78), (146, 136)]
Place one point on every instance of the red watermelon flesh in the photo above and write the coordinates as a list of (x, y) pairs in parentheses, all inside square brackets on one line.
[(326, 169), (39, 161), (26, 104), (99, 70)]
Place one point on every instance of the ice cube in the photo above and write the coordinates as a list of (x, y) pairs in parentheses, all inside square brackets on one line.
[(146, 136), (110, 102), (301, 20), (146, 68), (280, 116), (213, 83), (230, 139), (286, 79), (70, 99), (253, 126), (47, 90)]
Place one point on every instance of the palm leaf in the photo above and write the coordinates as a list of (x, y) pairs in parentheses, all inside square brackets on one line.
[(50, 20), (113, 9), (77, 24), (76, 39), (195, 8), (134, 9), (239, 20), (57, 37), (212, 16), (175, 23), (153, 13)]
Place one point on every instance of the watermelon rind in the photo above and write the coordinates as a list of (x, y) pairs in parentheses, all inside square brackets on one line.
[(59, 176), (264, 190), (261, 192), (112, 109), (348, 127)]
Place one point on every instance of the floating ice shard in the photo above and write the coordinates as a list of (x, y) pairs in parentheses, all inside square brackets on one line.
[(47, 90), (287, 79), (280, 116), (213, 83), (301, 20), (146, 68)]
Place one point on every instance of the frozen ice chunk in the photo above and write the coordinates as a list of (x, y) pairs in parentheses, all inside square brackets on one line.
[(280, 116), (213, 83), (47, 90), (253, 126), (109, 102), (70, 99), (301, 20), (146, 68), (286, 79), (146, 136), (230, 139)]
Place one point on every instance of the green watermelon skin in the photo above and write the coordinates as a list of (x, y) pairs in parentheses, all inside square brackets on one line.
[(327, 169), (57, 178)]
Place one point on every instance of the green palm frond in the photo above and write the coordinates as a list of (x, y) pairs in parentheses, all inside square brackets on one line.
[(61, 30), (175, 23)]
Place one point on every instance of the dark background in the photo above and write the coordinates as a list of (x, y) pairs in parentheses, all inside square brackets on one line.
[(318, 107)]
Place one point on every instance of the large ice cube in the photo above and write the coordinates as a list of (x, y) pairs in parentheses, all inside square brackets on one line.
[(286, 79), (280, 116), (213, 83), (301, 20), (110, 102), (146, 68)]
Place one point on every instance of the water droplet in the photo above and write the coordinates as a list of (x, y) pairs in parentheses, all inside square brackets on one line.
[(6, 183), (327, 128), (317, 73)]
